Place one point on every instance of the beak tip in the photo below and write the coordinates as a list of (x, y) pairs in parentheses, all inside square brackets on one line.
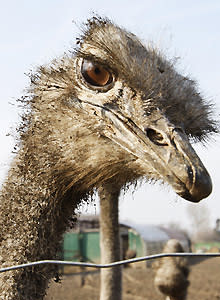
[(201, 189)]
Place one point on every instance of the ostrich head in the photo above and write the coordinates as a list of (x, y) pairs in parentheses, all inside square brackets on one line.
[(115, 109)]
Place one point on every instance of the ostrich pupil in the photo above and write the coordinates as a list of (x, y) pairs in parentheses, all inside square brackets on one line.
[(97, 71)]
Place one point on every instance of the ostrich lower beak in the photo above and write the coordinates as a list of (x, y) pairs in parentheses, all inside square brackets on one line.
[(160, 146)]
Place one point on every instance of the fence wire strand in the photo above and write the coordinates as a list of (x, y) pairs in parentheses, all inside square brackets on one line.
[(109, 265)]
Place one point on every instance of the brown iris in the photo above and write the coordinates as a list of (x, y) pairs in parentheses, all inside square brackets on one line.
[(95, 74)]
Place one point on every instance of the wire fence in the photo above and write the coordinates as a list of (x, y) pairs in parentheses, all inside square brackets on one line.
[(109, 265)]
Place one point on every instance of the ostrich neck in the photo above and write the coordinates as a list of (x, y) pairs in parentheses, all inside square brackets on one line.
[(34, 215)]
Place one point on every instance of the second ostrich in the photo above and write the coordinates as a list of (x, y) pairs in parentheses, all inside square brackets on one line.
[(172, 273), (109, 113)]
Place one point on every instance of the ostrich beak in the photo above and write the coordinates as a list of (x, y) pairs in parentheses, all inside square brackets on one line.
[(160, 146), (188, 168), (167, 150)]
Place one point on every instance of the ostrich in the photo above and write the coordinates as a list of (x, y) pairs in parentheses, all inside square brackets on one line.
[(101, 117), (172, 272)]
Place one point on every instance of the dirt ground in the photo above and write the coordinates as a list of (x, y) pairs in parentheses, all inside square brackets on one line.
[(138, 284)]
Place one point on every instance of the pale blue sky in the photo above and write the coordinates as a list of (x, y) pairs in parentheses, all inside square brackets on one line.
[(34, 32)]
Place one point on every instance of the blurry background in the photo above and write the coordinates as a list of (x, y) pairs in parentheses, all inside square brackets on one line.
[(34, 32)]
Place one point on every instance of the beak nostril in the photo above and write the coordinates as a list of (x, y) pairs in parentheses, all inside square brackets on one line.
[(155, 137)]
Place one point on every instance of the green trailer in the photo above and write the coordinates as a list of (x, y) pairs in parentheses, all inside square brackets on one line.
[(81, 246)]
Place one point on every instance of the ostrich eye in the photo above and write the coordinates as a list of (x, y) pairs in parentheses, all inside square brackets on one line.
[(95, 74)]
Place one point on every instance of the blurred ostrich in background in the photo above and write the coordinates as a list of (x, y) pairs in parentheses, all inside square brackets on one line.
[(109, 113), (172, 273)]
